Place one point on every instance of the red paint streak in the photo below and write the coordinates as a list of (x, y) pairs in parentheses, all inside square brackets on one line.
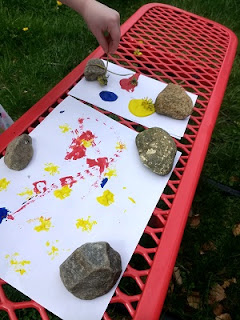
[(10, 217), (102, 163), (40, 186), (67, 181), (78, 149), (126, 84)]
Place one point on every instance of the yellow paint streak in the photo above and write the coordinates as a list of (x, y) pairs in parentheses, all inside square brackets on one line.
[(131, 199), (65, 128), (110, 173), (86, 225), (51, 168), (4, 184), (63, 193), (120, 146), (45, 224), (87, 143), (28, 192), (141, 107), (106, 199)]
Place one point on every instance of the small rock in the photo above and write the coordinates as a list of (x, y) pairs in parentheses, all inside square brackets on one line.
[(174, 102), (91, 270), (157, 150), (19, 152), (94, 69)]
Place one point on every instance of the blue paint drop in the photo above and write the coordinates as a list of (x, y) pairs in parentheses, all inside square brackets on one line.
[(105, 180), (3, 214), (108, 96), (62, 111)]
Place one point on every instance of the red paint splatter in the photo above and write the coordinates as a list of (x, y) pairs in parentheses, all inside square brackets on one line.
[(10, 217), (102, 163), (126, 84), (67, 181), (77, 146), (40, 186)]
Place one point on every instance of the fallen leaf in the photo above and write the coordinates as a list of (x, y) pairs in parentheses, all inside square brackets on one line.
[(217, 293), (224, 316), (177, 276), (218, 309), (227, 283), (194, 300), (194, 221), (236, 230), (208, 246)]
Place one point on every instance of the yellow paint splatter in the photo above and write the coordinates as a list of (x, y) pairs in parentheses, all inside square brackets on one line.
[(131, 199), (53, 250), (51, 168), (106, 199), (124, 188), (110, 173), (18, 264), (141, 107), (87, 143), (4, 184), (86, 225), (28, 193), (45, 224), (120, 146), (65, 128), (63, 193), (47, 243)]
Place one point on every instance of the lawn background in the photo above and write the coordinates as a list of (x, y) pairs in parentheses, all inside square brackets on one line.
[(57, 40)]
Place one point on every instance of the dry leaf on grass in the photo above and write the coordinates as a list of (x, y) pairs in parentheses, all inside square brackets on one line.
[(208, 246), (194, 221), (177, 276), (194, 300), (236, 230), (224, 316), (227, 283), (216, 294), (218, 309)]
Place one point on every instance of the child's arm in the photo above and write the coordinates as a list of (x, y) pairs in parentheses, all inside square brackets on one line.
[(100, 19)]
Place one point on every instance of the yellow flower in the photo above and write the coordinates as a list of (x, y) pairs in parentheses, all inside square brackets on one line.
[(59, 3), (25, 29), (137, 52)]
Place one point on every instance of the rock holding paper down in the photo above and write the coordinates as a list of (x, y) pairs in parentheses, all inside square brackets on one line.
[(94, 68), (19, 152), (157, 150), (174, 102), (91, 270)]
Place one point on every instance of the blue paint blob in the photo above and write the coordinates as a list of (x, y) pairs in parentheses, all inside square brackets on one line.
[(62, 111), (108, 96), (105, 180), (3, 214)]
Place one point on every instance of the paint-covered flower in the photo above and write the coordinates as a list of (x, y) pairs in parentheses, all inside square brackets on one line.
[(25, 29), (137, 52)]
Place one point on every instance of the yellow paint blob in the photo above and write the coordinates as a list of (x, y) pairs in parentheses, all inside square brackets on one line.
[(110, 173), (86, 225), (65, 128), (47, 243), (28, 193), (141, 107), (120, 146), (131, 199), (51, 168), (63, 193), (87, 143), (45, 224), (106, 199), (124, 188), (17, 264), (4, 184)]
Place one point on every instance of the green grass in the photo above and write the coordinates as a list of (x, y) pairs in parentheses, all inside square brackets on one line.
[(57, 40)]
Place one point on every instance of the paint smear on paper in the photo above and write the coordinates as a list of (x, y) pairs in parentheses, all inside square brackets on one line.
[(104, 181), (19, 266), (27, 192), (106, 199), (120, 146), (45, 224), (51, 168), (3, 214), (53, 251), (108, 96), (141, 107), (68, 181), (102, 163), (79, 145), (110, 173), (86, 225), (62, 193), (4, 184), (129, 84), (65, 128), (131, 199)]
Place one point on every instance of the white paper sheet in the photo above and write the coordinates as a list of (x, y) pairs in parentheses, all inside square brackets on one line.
[(89, 91), (53, 208)]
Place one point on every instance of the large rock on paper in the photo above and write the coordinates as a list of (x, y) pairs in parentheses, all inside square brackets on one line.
[(19, 152), (174, 102), (157, 150), (94, 68), (91, 270)]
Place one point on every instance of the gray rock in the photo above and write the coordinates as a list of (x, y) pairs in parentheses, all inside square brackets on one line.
[(19, 152), (92, 70), (174, 102), (91, 270), (156, 149)]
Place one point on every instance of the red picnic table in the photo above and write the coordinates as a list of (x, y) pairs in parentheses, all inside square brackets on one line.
[(179, 47)]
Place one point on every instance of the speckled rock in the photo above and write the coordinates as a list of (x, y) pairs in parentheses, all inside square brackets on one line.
[(91, 270), (19, 152), (174, 102), (157, 150), (92, 71)]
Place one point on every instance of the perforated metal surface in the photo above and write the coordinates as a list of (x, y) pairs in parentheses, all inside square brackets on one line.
[(173, 46)]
